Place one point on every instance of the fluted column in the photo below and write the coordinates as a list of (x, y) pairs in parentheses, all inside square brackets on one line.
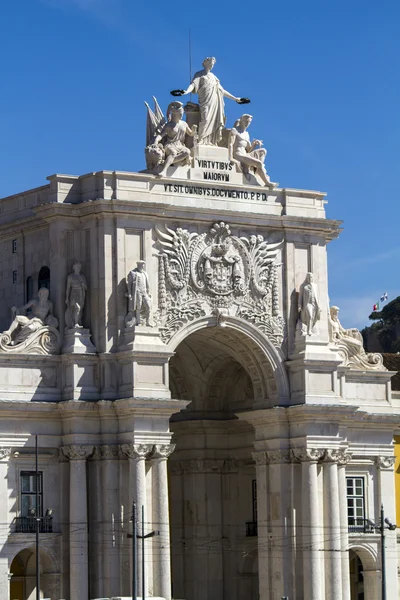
[(5, 454), (333, 546), (110, 519), (137, 454), (78, 530), (162, 556), (312, 525), (344, 458)]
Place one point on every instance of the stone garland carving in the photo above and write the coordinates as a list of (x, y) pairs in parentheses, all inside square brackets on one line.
[(76, 452), (385, 462), (350, 347), (139, 296), (33, 333), (217, 273), (309, 306)]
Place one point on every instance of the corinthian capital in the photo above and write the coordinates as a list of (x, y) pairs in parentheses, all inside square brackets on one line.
[(5, 453), (385, 462), (260, 458), (278, 456), (308, 454), (331, 455), (109, 452), (163, 450), (344, 457), (75, 452), (136, 450)]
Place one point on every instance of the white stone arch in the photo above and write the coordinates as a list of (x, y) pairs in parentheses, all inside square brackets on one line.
[(252, 349), (368, 554), (50, 575), (44, 549)]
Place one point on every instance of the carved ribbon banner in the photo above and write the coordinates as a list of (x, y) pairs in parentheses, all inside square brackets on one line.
[(218, 273)]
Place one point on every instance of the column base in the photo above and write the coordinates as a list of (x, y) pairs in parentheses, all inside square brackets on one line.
[(141, 338), (77, 341)]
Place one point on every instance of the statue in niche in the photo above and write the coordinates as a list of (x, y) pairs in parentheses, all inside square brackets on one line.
[(139, 296), (350, 344), (25, 325), (75, 295), (166, 139), (245, 154), (211, 101), (309, 306)]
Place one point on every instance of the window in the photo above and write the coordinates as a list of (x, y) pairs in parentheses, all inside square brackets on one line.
[(14, 246), (28, 494), (15, 276), (356, 503)]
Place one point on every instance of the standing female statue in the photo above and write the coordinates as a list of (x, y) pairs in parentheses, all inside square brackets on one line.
[(245, 154), (211, 101)]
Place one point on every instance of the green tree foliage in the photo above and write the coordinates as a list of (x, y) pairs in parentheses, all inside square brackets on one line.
[(386, 326)]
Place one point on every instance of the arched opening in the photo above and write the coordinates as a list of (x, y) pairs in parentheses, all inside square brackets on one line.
[(365, 575), (213, 510), (44, 278), (23, 576), (356, 576)]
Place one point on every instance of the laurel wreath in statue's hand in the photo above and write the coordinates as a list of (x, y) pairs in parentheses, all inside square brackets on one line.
[(243, 101), (177, 92)]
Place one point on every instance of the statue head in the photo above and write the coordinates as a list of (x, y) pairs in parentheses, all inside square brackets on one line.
[(309, 278), (334, 312), (43, 294), (209, 62), (175, 111), (77, 267), (140, 265)]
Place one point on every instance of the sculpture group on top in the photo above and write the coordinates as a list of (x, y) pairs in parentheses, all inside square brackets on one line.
[(167, 139), (218, 273)]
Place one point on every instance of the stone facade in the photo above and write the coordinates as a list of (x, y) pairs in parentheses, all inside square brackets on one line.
[(232, 392)]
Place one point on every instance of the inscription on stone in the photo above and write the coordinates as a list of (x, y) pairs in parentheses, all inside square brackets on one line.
[(214, 192)]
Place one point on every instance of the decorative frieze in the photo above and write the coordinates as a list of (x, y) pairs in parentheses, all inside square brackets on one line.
[(109, 452)]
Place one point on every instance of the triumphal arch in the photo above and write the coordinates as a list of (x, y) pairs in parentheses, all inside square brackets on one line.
[(168, 337)]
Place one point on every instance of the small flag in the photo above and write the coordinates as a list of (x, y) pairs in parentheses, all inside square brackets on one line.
[(384, 297), (376, 306)]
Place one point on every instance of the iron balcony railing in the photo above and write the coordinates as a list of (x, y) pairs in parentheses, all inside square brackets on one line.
[(28, 525), (361, 526), (251, 528)]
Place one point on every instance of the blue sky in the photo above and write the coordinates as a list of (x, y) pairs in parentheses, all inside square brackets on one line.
[(323, 79)]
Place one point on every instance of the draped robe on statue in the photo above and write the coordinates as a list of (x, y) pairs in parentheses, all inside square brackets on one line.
[(211, 102)]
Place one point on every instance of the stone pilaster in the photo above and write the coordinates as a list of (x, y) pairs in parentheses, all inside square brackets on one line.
[(261, 461), (311, 524), (333, 543), (162, 555), (5, 454), (137, 454), (344, 457), (78, 532), (385, 472), (110, 526)]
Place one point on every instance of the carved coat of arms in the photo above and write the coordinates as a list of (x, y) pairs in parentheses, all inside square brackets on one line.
[(216, 272)]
